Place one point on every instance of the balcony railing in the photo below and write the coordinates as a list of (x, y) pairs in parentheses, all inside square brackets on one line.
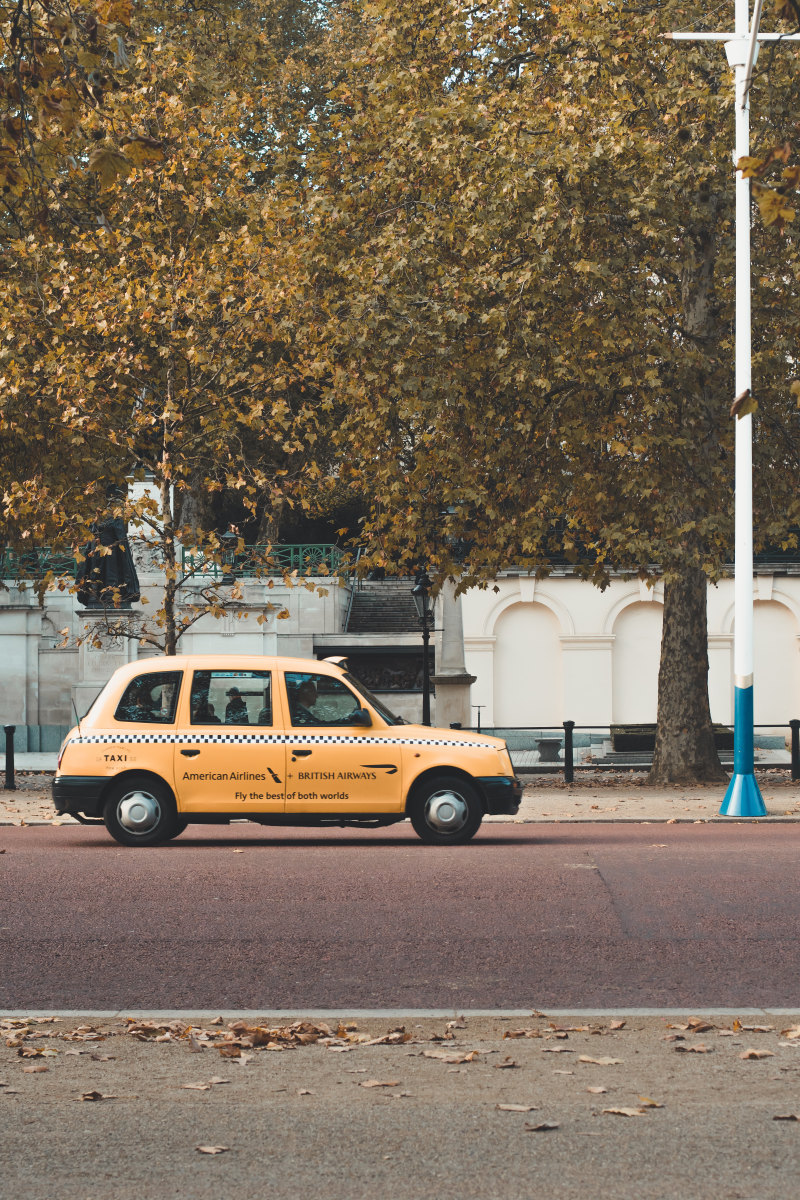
[(36, 563), (304, 559)]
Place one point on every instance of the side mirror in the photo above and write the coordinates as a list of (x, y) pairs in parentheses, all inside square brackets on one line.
[(361, 717)]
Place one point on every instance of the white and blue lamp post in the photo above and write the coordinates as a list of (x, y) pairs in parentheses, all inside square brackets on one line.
[(743, 797)]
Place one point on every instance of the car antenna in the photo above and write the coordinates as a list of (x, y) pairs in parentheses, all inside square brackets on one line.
[(77, 718)]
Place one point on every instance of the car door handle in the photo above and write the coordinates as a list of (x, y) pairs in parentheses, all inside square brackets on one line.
[(190, 753), (301, 753)]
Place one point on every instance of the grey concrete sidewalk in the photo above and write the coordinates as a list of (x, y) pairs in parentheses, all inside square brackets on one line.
[(594, 796), (608, 1105)]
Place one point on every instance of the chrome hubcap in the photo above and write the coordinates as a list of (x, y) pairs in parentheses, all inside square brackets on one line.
[(138, 812), (446, 811)]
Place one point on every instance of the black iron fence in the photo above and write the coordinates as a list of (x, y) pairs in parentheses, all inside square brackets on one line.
[(569, 747)]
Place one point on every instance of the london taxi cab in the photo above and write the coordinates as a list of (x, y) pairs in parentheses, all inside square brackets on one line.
[(279, 741)]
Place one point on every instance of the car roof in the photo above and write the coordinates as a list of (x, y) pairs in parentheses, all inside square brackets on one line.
[(223, 662)]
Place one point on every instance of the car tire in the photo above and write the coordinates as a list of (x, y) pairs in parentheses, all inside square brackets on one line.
[(140, 811), (445, 810), (181, 825)]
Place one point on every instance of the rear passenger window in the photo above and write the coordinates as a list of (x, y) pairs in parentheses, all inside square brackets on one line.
[(231, 698), (150, 699)]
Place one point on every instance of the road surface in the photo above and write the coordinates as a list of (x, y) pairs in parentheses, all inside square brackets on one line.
[(540, 916)]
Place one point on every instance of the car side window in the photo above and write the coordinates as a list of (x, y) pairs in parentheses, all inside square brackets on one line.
[(150, 699), (319, 700), (231, 698)]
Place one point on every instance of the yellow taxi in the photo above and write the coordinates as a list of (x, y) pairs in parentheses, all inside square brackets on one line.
[(204, 739)]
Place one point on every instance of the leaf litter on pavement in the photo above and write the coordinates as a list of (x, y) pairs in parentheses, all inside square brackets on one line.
[(247, 1040)]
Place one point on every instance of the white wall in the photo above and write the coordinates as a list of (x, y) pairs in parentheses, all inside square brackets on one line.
[(636, 654), (605, 668), (528, 676)]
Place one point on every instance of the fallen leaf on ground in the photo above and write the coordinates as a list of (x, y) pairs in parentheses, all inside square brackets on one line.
[(305, 1092), (624, 1112), (94, 1096), (648, 1103), (757, 1054), (700, 1048), (448, 1057), (786, 1117), (601, 1062), (216, 1021), (212, 1149), (542, 1127), (372, 1083), (597, 1091), (39, 1069), (516, 1107), (617, 1025), (557, 1050), (790, 1034), (506, 1065), (238, 852), (230, 1051)]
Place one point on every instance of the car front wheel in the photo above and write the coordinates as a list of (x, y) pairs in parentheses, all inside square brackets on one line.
[(140, 812), (446, 811)]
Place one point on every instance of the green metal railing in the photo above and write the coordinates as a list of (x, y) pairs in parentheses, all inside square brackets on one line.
[(35, 563), (305, 559)]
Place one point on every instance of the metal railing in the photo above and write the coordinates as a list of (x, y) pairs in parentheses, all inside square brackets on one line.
[(36, 563), (305, 559), (570, 747)]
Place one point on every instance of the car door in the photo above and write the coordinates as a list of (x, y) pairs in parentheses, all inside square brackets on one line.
[(333, 762), (229, 757)]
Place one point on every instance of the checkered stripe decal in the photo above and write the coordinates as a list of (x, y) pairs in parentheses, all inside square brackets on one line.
[(303, 739)]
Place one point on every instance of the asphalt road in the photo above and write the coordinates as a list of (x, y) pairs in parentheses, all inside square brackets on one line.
[(543, 916)]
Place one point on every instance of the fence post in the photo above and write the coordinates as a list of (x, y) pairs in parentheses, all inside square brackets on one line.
[(569, 762), (10, 731), (795, 728)]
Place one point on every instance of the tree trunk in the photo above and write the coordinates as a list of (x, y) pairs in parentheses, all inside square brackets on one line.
[(194, 510), (685, 751)]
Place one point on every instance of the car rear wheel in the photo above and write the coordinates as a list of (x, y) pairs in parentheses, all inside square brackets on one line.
[(141, 812), (446, 810)]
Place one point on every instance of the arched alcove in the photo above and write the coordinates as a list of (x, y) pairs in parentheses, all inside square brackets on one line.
[(776, 657), (635, 661), (528, 687)]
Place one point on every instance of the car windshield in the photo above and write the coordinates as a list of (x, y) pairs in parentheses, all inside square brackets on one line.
[(389, 717)]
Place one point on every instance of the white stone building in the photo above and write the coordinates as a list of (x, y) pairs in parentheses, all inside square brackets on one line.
[(540, 651)]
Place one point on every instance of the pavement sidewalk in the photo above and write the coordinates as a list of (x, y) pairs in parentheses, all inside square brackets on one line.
[(608, 1105), (594, 796)]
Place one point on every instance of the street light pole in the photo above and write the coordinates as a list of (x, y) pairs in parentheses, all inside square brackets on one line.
[(422, 601), (743, 797)]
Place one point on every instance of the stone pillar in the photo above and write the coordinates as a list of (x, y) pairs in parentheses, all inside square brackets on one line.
[(452, 682)]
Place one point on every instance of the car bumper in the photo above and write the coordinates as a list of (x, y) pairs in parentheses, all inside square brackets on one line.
[(79, 794), (502, 795)]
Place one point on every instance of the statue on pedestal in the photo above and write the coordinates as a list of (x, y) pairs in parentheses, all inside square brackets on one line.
[(107, 580)]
